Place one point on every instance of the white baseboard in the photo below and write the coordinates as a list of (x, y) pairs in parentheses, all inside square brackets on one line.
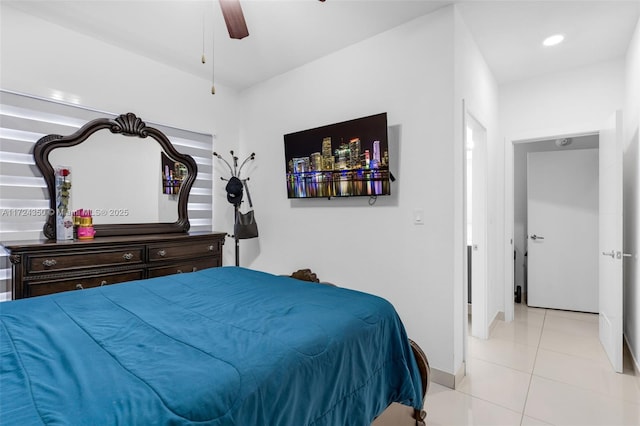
[(498, 317), (634, 361), (447, 379), (462, 371)]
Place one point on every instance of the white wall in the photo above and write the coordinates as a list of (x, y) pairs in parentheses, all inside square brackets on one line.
[(406, 72), (631, 201), (476, 85), (574, 101), (46, 60)]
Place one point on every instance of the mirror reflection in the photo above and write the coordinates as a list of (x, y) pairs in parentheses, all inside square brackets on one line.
[(122, 179)]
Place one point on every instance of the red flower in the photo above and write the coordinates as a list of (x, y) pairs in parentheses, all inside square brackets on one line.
[(64, 172)]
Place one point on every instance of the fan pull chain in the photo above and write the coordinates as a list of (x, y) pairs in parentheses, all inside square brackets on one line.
[(204, 60), (213, 87)]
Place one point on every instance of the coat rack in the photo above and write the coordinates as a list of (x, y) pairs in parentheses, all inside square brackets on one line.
[(235, 172)]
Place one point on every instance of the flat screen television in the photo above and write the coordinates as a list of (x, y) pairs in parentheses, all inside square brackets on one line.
[(344, 159)]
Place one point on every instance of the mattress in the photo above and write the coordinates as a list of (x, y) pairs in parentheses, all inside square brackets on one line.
[(221, 346)]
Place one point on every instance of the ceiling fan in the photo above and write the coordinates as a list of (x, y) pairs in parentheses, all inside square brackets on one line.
[(233, 17)]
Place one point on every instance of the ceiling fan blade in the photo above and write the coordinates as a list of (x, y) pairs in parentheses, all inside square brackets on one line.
[(233, 17)]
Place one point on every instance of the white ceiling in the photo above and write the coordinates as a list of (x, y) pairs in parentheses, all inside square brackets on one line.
[(510, 33), (285, 34)]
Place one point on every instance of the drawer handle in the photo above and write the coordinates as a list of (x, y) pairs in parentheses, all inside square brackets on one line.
[(103, 283), (49, 262), (127, 256), (211, 248), (162, 253), (179, 271), (79, 287)]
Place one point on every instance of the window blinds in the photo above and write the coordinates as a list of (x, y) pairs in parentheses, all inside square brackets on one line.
[(23, 197)]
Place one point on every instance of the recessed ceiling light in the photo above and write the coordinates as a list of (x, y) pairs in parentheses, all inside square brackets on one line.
[(553, 40)]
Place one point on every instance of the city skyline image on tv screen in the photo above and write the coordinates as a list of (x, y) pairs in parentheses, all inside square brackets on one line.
[(344, 159)]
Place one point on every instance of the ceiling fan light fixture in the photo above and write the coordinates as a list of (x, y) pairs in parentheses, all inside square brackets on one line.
[(553, 40)]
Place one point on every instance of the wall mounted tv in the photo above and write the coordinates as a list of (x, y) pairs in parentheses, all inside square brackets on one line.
[(344, 159)]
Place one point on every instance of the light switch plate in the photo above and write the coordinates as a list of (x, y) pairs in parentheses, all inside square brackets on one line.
[(418, 216)]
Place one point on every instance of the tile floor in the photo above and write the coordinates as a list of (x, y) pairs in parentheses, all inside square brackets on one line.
[(545, 368)]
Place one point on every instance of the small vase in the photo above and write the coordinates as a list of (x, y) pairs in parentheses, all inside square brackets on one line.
[(64, 220)]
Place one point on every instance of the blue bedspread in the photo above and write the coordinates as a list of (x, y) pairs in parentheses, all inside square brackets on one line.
[(222, 346)]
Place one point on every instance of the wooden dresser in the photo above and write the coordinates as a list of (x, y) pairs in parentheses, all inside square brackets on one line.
[(45, 267)]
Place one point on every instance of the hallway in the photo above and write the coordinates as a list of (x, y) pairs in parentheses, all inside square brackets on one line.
[(545, 368)]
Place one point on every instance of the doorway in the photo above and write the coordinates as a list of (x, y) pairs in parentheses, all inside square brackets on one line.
[(521, 240), (562, 218), (475, 190), (610, 229)]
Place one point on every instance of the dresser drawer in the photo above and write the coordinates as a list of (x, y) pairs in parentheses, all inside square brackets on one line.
[(170, 251), (187, 266), (63, 261), (55, 286), (45, 267)]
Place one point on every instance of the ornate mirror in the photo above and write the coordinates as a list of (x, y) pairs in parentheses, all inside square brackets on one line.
[(129, 175)]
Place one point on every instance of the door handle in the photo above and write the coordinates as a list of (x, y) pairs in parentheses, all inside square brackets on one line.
[(536, 237), (616, 254)]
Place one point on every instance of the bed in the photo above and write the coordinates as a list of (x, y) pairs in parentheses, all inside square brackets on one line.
[(221, 346)]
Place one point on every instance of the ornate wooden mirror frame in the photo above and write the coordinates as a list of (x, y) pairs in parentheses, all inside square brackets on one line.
[(127, 125)]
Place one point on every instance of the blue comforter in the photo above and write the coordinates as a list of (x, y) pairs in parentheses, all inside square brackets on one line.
[(222, 346)]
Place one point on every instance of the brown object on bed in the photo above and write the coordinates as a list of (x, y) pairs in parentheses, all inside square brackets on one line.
[(396, 414), (305, 275)]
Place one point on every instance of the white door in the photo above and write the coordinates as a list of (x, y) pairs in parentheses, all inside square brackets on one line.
[(562, 219), (476, 137), (610, 248)]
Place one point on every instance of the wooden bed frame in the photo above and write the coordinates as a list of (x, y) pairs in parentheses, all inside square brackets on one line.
[(396, 414)]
